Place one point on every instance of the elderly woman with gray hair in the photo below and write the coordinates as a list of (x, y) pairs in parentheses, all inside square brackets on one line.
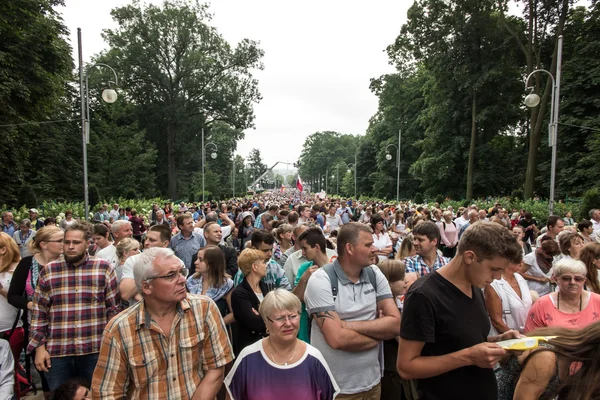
[(23, 236), (280, 366), (570, 306)]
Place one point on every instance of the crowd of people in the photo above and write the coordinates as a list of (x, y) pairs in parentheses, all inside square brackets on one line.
[(285, 295)]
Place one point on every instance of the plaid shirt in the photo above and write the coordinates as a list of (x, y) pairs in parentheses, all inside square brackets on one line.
[(72, 305), (275, 278), (417, 264), (138, 361)]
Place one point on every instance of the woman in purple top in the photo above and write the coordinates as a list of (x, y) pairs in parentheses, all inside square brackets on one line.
[(281, 366)]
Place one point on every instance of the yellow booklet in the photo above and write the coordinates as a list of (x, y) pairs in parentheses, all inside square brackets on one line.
[(526, 343)]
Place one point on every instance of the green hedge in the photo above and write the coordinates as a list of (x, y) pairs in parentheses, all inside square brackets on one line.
[(539, 208)]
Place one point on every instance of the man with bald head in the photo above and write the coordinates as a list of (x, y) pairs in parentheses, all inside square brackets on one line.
[(213, 233)]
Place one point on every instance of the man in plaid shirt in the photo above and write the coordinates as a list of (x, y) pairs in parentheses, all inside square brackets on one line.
[(426, 236), (73, 301), (171, 345)]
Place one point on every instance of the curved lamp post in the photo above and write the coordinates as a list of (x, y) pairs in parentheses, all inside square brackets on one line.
[(109, 95), (533, 100), (388, 157)]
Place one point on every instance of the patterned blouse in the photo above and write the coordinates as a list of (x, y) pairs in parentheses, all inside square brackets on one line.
[(194, 285)]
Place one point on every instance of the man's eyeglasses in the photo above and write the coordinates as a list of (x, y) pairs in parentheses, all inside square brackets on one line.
[(171, 276), (578, 279)]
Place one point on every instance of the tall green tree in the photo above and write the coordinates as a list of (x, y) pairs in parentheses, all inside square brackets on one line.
[(544, 22), (183, 75), (256, 166), (35, 63), (322, 151), (473, 94)]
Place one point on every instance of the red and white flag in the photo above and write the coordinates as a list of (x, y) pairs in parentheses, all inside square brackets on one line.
[(299, 184)]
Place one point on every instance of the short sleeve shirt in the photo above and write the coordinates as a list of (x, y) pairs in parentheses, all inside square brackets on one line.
[(255, 377), (437, 313), (355, 302)]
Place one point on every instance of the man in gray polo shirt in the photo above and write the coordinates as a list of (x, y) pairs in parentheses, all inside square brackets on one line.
[(347, 329)]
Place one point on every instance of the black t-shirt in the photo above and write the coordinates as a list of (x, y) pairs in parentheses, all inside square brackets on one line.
[(528, 233), (438, 313)]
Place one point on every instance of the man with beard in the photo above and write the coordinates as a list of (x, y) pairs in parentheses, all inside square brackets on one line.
[(73, 301)]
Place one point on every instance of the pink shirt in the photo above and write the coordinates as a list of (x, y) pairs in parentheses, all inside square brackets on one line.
[(449, 234), (544, 313)]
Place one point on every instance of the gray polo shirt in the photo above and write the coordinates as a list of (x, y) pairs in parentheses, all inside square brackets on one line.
[(355, 372)]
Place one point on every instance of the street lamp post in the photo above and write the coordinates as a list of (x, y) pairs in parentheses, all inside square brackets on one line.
[(109, 95), (388, 157), (213, 155), (533, 100)]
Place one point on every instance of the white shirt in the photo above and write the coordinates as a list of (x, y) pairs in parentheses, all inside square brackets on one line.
[(226, 230), (518, 306), (295, 260), (109, 253), (460, 221), (595, 225), (8, 313), (7, 371), (114, 214), (382, 242), (334, 222)]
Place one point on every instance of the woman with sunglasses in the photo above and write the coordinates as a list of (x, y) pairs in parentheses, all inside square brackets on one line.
[(280, 366), (570, 306)]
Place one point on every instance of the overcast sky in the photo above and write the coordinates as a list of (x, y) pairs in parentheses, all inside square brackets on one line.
[(319, 57)]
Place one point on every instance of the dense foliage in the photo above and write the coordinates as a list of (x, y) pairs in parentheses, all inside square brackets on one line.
[(457, 97)]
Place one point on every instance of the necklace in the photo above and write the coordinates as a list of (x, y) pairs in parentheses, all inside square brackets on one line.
[(286, 362), (558, 301)]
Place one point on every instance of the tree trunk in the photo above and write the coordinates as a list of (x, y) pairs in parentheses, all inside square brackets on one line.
[(172, 161), (471, 166)]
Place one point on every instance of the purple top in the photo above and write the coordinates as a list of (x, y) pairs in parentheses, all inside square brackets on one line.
[(255, 377)]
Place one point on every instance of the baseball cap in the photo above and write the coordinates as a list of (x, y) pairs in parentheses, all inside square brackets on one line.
[(33, 210)]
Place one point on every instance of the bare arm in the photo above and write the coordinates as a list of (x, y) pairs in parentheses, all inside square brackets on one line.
[(412, 365), (382, 328), (535, 376), (128, 289), (532, 278), (493, 304), (301, 287), (227, 220), (229, 318), (210, 385), (340, 338)]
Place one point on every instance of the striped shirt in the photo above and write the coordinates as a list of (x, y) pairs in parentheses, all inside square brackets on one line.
[(72, 305), (138, 361)]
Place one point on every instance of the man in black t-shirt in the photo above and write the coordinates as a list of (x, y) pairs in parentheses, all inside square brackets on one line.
[(444, 341), (530, 227)]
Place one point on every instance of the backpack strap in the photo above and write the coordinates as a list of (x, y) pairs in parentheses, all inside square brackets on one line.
[(371, 277), (330, 271)]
